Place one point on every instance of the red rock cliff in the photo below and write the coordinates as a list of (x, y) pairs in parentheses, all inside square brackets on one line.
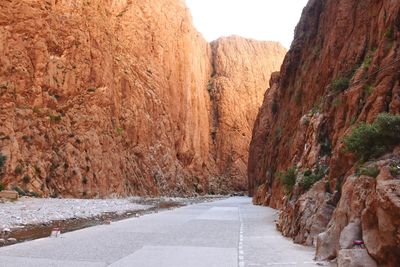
[(241, 72), (341, 70), (110, 97)]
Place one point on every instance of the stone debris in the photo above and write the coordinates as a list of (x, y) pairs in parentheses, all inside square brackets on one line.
[(35, 211)]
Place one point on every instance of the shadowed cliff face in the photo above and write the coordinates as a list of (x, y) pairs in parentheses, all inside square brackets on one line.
[(341, 70), (110, 97)]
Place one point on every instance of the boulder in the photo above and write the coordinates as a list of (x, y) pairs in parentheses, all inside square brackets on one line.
[(355, 258), (350, 233)]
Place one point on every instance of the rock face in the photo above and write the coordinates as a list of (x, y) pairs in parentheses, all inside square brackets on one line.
[(110, 97), (237, 86), (341, 70)]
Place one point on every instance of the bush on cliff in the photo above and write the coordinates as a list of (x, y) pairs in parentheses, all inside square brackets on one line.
[(311, 177), (288, 179), (340, 84), (3, 160), (373, 140), (372, 171)]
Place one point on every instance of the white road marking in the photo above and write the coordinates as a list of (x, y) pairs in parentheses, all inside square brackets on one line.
[(240, 247)]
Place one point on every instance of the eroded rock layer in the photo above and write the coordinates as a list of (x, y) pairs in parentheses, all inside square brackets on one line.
[(110, 97), (342, 70)]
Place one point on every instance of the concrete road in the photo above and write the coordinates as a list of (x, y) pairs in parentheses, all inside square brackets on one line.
[(226, 233)]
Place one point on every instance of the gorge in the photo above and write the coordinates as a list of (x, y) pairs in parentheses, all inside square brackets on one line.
[(114, 98)]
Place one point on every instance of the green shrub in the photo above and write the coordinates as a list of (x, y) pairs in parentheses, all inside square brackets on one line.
[(372, 171), (336, 102), (340, 84), (18, 170), (1, 187), (26, 179), (368, 89), (3, 160), (54, 118), (307, 182), (315, 109), (394, 169), (373, 140), (367, 61), (119, 131), (19, 191), (389, 33), (311, 177), (36, 110), (307, 172), (288, 179), (353, 120)]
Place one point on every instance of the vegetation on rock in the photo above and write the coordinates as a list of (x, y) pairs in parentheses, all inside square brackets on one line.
[(340, 84), (3, 160), (373, 140), (288, 179), (372, 171), (310, 177)]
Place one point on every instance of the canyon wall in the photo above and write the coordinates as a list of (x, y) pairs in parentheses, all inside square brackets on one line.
[(239, 80), (110, 97), (342, 70)]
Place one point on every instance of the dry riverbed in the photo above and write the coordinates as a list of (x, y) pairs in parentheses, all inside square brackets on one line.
[(32, 218)]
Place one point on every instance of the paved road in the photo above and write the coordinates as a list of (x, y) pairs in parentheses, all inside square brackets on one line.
[(226, 233)]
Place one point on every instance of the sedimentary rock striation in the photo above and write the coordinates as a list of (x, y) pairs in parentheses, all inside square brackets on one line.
[(124, 97), (342, 70)]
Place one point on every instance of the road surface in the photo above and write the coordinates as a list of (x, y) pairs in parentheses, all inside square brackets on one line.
[(225, 233)]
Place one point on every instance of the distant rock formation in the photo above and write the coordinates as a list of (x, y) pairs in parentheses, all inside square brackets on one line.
[(241, 72)]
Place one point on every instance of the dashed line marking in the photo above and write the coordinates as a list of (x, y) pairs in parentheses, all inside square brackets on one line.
[(240, 247)]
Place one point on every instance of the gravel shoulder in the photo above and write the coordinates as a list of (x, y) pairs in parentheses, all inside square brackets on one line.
[(32, 218), (27, 211)]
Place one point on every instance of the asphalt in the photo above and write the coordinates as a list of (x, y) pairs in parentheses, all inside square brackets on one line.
[(225, 233)]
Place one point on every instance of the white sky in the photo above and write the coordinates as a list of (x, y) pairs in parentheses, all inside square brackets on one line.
[(272, 20)]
